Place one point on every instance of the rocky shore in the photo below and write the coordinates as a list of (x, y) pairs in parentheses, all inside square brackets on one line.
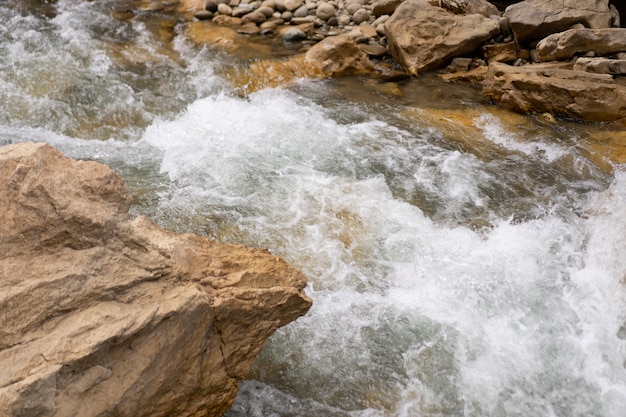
[(566, 59)]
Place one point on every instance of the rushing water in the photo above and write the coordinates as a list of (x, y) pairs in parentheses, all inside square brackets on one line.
[(462, 261)]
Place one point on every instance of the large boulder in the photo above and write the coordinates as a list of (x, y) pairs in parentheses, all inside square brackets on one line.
[(103, 316), (533, 20), (565, 45), (422, 37), (556, 89)]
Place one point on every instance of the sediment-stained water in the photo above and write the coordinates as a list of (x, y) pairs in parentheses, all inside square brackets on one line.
[(463, 261)]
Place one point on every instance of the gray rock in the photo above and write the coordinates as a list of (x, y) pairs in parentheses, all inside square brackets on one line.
[(601, 65), (360, 16), (535, 19), (294, 35), (301, 11), (566, 44)]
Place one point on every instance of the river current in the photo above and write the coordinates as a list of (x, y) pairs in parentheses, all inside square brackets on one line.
[(463, 261)]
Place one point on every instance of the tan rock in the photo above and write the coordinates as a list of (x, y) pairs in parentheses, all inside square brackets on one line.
[(385, 7), (501, 52), (338, 56), (422, 37), (335, 56), (532, 20), (566, 44), (103, 316), (547, 88)]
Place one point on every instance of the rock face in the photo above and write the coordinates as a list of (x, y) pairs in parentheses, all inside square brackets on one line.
[(556, 89), (532, 20), (566, 44), (103, 316), (422, 37)]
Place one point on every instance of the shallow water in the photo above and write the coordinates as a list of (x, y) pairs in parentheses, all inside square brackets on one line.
[(463, 261)]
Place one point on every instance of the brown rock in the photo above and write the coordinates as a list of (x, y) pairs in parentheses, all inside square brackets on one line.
[(501, 52), (546, 88), (338, 56), (422, 37), (470, 7), (255, 17), (532, 20), (385, 7), (103, 316), (566, 44)]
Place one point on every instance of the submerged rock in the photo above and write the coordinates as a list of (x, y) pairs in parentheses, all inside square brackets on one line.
[(103, 316)]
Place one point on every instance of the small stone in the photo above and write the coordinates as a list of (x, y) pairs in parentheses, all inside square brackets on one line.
[(380, 20), (303, 20), (373, 49), (333, 21), (380, 29), (204, 15), (291, 5), (267, 11), (360, 16), (224, 9), (286, 16), (344, 20), (294, 35), (301, 11), (459, 65), (255, 17), (534, 56), (325, 11), (394, 76), (353, 7), (242, 10), (211, 5)]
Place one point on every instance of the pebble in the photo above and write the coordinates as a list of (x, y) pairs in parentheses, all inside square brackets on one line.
[(224, 9), (292, 5)]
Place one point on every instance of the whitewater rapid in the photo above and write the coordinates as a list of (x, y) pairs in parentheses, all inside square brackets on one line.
[(475, 272)]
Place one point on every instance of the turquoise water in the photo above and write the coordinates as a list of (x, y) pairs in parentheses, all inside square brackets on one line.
[(473, 271)]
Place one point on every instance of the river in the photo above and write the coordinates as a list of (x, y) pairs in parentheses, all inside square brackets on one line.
[(463, 261)]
